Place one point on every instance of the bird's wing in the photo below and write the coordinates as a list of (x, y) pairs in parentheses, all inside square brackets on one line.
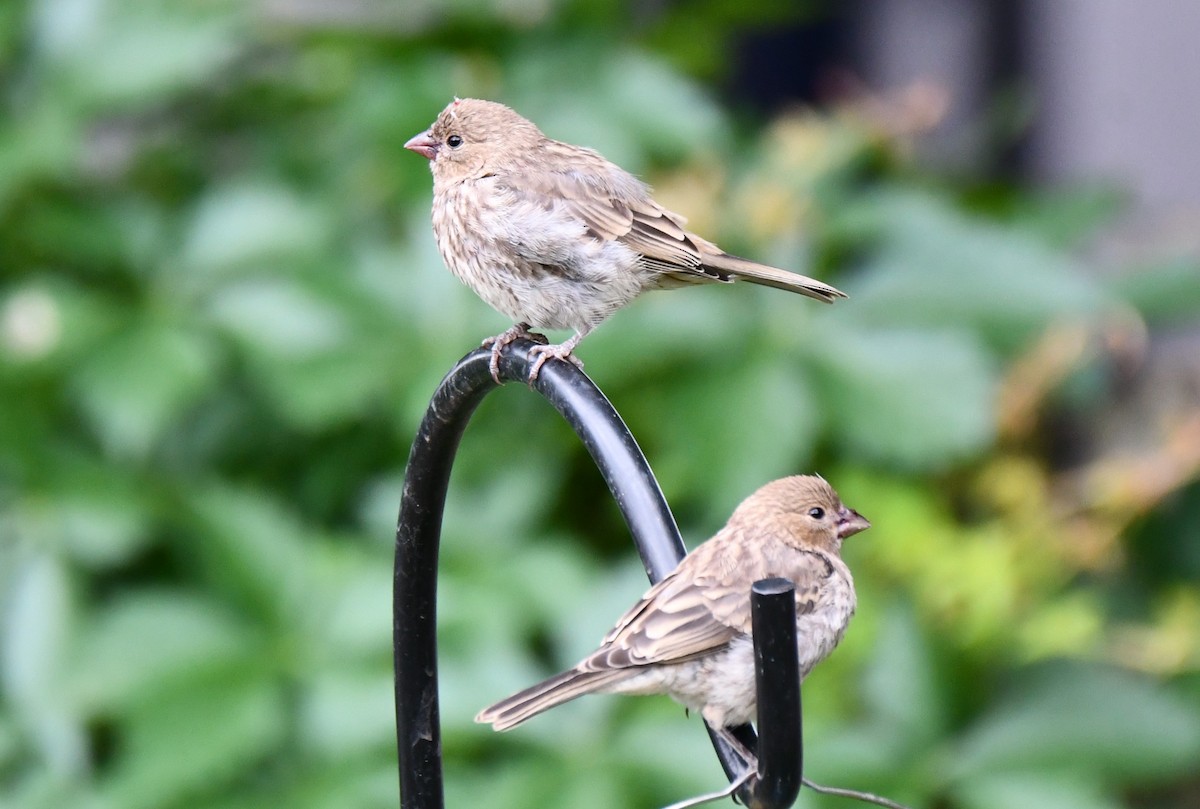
[(689, 614), (675, 621), (612, 205)]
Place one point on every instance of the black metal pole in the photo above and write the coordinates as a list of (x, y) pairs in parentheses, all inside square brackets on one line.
[(777, 678), (418, 533), (617, 455), (414, 583)]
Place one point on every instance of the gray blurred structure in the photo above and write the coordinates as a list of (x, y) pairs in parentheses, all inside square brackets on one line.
[(1119, 95), (1115, 85), (1118, 87), (950, 43)]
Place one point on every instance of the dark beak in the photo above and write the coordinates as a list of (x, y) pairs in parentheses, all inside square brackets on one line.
[(850, 522), (423, 145)]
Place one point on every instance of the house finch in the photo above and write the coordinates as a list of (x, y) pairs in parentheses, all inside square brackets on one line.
[(554, 235), (690, 635)]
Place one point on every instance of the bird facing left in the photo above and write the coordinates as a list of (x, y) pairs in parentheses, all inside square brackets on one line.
[(554, 236)]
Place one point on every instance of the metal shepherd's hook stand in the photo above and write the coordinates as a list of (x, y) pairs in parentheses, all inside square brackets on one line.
[(776, 783)]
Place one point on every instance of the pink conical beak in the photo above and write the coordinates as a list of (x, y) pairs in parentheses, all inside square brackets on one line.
[(850, 522), (423, 145)]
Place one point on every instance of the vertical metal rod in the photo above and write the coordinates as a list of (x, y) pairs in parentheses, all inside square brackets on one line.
[(777, 677), (414, 583)]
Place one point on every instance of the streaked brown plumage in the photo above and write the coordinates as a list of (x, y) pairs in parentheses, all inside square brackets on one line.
[(555, 236), (690, 635)]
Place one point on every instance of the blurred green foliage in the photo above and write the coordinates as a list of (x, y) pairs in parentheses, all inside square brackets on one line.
[(222, 313)]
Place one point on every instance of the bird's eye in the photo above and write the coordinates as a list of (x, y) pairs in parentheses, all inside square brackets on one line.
[(454, 141), (816, 513)]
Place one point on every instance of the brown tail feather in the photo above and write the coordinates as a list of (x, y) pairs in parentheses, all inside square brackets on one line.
[(512, 711), (732, 268)]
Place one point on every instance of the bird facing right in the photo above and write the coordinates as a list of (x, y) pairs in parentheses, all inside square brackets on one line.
[(690, 635)]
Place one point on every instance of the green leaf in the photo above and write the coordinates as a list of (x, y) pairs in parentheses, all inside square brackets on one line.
[(1037, 790), (342, 713), (356, 620), (279, 318), (43, 789), (38, 624), (255, 549), (137, 58), (245, 225), (8, 741), (363, 783), (100, 522), (758, 419), (639, 107), (914, 398), (318, 391), (899, 685), (1166, 294), (41, 140), (1089, 720), (139, 382), (938, 268), (148, 640), (192, 739), (86, 511)]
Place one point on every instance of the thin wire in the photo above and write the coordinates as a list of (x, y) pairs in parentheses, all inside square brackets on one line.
[(865, 797), (715, 796)]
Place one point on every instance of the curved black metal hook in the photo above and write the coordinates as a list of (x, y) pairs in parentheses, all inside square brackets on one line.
[(418, 533)]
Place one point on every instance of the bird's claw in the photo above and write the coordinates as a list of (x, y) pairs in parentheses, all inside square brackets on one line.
[(497, 344), (745, 754), (494, 362), (562, 351)]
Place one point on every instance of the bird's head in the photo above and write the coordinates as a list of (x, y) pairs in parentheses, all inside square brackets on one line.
[(806, 510), (472, 138)]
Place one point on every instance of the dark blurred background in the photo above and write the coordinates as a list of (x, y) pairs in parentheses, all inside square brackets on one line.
[(222, 315)]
